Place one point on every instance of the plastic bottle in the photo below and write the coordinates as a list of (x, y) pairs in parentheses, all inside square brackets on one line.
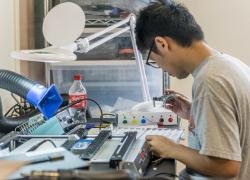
[(76, 92)]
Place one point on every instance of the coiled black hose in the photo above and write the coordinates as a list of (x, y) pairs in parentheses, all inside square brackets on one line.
[(19, 85), (15, 83)]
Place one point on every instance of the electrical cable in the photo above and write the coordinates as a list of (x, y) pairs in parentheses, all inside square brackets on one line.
[(21, 108), (79, 100), (18, 110), (33, 148)]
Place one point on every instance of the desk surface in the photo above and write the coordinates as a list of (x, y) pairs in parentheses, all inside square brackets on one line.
[(166, 168)]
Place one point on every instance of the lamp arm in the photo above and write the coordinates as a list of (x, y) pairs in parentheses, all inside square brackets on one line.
[(85, 46), (139, 62)]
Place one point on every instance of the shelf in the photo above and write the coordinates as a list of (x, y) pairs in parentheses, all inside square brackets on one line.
[(78, 63), (101, 22)]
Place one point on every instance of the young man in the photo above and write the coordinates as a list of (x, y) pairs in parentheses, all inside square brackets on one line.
[(219, 114)]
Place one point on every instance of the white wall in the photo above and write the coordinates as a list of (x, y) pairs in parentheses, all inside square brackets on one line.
[(7, 43), (226, 24)]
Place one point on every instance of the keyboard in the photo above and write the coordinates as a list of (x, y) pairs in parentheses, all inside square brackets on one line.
[(174, 134)]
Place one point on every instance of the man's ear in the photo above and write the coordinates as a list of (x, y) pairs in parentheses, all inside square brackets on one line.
[(161, 43)]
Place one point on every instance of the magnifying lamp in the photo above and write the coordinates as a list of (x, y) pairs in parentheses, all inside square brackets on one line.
[(63, 26)]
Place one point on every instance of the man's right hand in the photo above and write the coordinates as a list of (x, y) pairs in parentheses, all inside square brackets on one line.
[(180, 104)]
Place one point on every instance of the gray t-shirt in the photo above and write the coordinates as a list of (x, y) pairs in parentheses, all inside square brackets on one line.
[(221, 111)]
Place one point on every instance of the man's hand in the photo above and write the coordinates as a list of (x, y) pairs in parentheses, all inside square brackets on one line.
[(179, 104), (211, 166), (161, 146)]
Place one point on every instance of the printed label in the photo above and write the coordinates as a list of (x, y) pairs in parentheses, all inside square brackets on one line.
[(82, 104)]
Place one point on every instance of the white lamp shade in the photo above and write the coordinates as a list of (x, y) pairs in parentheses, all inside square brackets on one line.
[(64, 24)]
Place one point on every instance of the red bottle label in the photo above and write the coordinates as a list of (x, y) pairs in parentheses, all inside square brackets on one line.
[(82, 104)]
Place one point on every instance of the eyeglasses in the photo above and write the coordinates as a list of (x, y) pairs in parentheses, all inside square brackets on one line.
[(149, 61)]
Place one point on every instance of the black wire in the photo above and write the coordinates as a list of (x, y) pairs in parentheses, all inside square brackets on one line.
[(168, 174), (33, 148), (79, 100), (6, 114), (18, 110)]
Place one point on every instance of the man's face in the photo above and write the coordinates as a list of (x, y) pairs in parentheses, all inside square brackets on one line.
[(169, 60)]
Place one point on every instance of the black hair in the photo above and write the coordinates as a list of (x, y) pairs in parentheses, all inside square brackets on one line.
[(166, 18)]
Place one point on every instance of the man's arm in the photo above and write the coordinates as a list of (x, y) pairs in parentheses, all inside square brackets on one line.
[(206, 165)]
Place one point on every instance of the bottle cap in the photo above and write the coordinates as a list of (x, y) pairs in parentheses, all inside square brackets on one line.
[(77, 76)]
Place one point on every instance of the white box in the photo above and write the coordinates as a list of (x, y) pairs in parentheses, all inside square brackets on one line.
[(134, 118)]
